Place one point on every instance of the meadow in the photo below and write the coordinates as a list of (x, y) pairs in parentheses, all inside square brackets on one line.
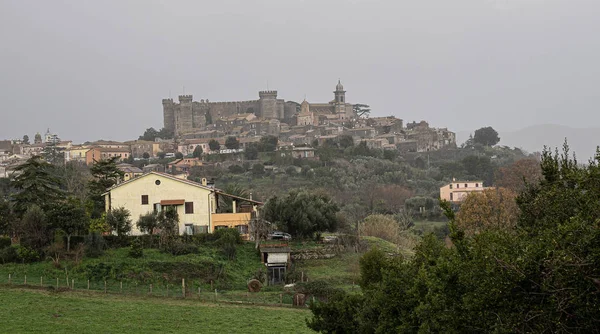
[(43, 311)]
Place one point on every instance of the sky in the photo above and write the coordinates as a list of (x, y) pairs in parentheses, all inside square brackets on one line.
[(93, 70)]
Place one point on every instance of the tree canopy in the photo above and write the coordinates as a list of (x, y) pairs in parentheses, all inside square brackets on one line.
[(214, 145), (302, 213), (197, 152), (36, 184), (486, 136), (232, 143)]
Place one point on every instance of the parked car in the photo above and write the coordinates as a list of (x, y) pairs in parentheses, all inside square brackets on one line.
[(277, 235)]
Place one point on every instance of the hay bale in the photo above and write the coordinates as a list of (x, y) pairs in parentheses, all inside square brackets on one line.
[(254, 285)]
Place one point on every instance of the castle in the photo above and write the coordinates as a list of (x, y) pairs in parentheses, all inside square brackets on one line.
[(190, 116)]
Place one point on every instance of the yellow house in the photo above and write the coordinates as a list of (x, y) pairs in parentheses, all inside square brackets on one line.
[(197, 204), (76, 153), (457, 191), (129, 171)]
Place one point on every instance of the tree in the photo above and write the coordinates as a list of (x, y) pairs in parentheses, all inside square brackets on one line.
[(345, 141), (517, 176), (53, 154), (165, 133), (149, 135), (119, 221), (76, 177), (105, 175), (146, 155), (26, 139), (214, 145), (302, 213), (268, 143), (232, 143), (33, 229), (486, 136), (197, 152), (36, 184), (6, 217), (258, 169), (70, 217), (161, 155), (382, 226), (251, 152), (37, 139), (178, 155), (489, 209), (226, 202), (168, 223), (361, 110), (147, 223)]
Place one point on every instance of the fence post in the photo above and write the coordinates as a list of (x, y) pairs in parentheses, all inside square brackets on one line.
[(72, 284), (104, 286), (215, 294), (198, 292), (88, 284), (183, 287), (41, 281), (150, 289), (8, 278), (280, 299), (25, 282), (57, 283), (121, 287)]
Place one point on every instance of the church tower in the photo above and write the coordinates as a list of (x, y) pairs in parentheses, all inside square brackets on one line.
[(340, 93)]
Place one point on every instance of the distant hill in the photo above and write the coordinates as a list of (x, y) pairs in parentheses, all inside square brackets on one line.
[(582, 141)]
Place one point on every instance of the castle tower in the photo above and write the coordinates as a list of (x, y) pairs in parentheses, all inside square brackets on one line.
[(340, 93), (168, 114), (184, 117), (268, 104)]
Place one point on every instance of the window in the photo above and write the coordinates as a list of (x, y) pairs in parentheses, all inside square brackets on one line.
[(466, 185), (457, 186), (189, 207), (144, 199), (451, 196), (476, 185), (157, 182), (450, 186)]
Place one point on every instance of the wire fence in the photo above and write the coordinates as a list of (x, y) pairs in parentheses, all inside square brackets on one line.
[(182, 290)]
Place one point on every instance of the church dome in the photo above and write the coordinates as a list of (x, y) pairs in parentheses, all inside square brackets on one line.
[(339, 87)]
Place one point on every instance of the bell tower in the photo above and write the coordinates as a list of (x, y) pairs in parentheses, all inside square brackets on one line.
[(340, 93)]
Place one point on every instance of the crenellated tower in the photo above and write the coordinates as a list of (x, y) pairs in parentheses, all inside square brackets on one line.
[(168, 114), (268, 104), (183, 117)]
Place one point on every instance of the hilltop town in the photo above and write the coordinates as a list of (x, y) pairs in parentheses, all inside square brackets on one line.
[(298, 127)]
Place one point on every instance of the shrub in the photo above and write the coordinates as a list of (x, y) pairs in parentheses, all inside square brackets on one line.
[(5, 242), (114, 241), (9, 254), (321, 290), (94, 245), (180, 248), (136, 250), (27, 254)]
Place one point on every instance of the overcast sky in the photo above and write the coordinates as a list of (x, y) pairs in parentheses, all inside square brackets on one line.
[(99, 69)]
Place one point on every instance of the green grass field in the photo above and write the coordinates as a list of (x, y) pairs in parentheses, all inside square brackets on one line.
[(40, 311)]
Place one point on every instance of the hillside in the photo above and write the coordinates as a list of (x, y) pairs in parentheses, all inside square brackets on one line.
[(582, 141)]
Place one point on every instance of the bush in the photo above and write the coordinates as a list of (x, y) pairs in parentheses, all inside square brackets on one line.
[(9, 254), (94, 245), (115, 241), (27, 254), (181, 248), (75, 240), (136, 250), (321, 290), (5, 242)]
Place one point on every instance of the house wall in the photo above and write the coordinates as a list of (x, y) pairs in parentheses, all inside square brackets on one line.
[(460, 190), (230, 219), (129, 196)]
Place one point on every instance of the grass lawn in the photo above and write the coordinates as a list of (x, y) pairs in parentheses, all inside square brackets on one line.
[(40, 311)]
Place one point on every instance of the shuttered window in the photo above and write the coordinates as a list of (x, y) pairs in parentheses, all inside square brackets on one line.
[(189, 207), (144, 199)]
